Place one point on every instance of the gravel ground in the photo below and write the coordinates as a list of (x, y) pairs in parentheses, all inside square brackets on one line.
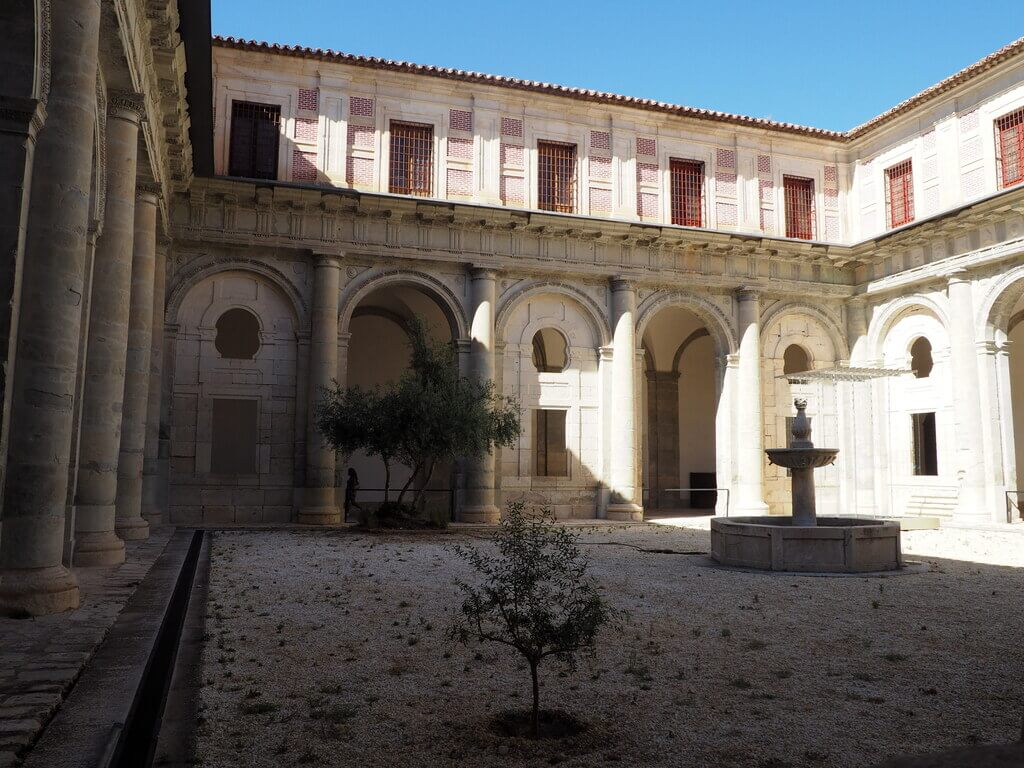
[(332, 649)]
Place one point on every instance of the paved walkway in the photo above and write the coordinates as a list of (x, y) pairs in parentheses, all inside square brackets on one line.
[(40, 658)]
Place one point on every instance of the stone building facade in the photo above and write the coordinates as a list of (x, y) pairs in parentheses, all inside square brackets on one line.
[(247, 223)]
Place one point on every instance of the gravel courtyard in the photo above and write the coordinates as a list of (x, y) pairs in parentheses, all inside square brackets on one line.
[(333, 649)]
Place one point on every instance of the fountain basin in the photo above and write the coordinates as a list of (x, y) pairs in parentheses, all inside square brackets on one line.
[(834, 545), (802, 458)]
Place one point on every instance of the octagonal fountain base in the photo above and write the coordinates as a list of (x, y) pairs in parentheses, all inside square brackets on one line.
[(834, 545)]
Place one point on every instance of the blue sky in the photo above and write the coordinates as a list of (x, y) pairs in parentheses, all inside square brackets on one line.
[(826, 64)]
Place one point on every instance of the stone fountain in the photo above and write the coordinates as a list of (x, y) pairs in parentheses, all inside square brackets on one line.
[(806, 542)]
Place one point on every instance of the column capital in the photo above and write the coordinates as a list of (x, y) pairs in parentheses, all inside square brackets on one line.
[(858, 301), (327, 259), (606, 353), (126, 105), (482, 272), (956, 276), (747, 293), (148, 192), (619, 283), (21, 115), (987, 347)]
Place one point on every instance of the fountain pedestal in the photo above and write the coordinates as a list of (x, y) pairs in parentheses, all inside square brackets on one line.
[(805, 542)]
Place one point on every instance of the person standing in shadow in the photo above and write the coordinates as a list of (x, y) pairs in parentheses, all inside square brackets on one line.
[(351, 488)]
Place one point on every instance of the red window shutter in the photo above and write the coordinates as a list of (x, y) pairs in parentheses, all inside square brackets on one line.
[(412, 159), (798, 195), (687, 179), (556, 176), (1010, 144), (899, 193)]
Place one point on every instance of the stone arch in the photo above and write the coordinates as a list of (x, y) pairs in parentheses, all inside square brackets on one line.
[(996, 310), (202, 269), (371, 280), (828, 324), (892, 313), (700, 333), (718, 325), (510, 300)]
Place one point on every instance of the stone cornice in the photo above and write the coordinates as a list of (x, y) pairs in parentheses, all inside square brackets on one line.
[(22, 116)]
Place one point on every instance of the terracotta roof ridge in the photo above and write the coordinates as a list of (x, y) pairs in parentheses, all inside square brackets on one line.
[(375, 62)]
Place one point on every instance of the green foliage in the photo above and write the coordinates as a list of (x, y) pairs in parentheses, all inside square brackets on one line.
[(430, 415), (535, 595)]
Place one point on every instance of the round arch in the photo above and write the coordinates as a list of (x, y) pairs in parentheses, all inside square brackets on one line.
[(188, 278), (374, 279), (700, 333), (510, 300), (718, 325), (995, 314), (892, 313), (828, 324)]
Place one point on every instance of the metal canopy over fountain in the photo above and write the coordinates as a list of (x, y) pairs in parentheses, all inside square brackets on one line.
[(805, 542)]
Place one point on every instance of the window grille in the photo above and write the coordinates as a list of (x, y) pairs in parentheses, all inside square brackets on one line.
[(552, 456), (556, 176), (687, 179), (412, 159), (255, 133), (799, 197), (1010, 145), (899, 194), (925, 444)]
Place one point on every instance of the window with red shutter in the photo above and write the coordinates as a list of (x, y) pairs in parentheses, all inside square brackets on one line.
[(412, 159), (1010, 146), (687, 180), (556, 176), (899, 194), (255, 136), (798, 195)]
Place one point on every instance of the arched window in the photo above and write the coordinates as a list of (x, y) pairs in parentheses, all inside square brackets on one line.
[(921, 358), (795, 360), (550, 351), (238, 335)]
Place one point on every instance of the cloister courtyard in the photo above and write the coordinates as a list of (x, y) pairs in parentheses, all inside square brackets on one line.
[(333, 648)]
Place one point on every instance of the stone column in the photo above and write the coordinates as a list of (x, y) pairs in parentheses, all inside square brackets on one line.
[(20, 122), (663, 438), (479, 506), (319, 506), (970, 448), (96, 542), (129, 522), (153, 501), (861, 424), (624, 495), (33, 578), (750, 431)]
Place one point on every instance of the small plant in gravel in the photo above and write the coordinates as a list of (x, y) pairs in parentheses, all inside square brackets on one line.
[(535, 597)]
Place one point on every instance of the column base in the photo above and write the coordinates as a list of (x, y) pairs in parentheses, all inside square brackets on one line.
[(38, 591), (132, 528), (320, 516), (625, 511), (487, 513), (98, 549), (154, 518)]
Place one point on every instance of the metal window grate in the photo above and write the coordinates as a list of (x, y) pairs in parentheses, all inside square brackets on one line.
[(799, 197), (899, 193), (1010, 145), (556, 176), (412, 159), (687, 179), (255, 135)]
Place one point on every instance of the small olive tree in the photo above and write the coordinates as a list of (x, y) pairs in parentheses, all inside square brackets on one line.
[(534, 596), (431, 415)]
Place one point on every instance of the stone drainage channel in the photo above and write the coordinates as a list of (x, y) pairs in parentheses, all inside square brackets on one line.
[(134, 703)]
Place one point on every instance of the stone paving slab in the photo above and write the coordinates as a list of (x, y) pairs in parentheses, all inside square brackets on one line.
[(41, 657)]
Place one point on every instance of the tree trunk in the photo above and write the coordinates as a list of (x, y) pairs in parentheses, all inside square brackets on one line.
[(387, 479), (422, 488), (536, 701), (412, 476)]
